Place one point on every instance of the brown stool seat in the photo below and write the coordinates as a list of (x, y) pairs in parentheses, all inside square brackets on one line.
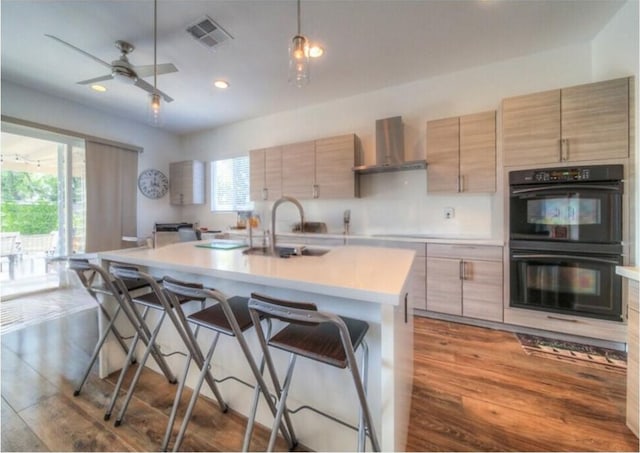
[(132, 284), (214, 318), (151, 300), (320, 342)]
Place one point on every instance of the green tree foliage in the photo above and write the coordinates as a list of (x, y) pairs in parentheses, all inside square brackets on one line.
[(29, 202)]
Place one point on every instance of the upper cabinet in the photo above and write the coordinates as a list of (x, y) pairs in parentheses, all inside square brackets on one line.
[(461, 152), (265, 173), (187, 182), (314, 169), (335, 158), (298, 169), (582, 123)]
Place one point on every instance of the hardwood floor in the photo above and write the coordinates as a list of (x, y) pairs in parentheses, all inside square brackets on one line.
[(474, 390)]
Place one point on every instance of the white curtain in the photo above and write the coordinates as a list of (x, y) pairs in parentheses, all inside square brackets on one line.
[(111, 196)]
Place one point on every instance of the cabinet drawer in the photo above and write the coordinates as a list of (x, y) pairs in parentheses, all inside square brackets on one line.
[(480, 252)]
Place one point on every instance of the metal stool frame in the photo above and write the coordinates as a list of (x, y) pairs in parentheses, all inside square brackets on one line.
[(87, 273), (177, 288), (175, 313), (158, 301), (307, 314)]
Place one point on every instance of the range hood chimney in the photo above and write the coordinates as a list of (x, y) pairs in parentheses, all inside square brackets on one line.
[(390, 149)]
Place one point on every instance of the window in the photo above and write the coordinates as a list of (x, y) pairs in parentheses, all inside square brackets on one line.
[(230, 185)]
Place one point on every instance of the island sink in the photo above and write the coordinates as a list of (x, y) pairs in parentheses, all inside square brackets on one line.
[(286, 252)]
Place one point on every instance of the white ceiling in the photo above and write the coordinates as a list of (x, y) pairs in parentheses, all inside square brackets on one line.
[(370, 44)]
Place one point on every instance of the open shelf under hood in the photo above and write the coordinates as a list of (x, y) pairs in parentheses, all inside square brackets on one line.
[(403, 166)]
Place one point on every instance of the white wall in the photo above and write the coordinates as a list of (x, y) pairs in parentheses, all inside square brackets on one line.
[(160, 147), (398, 202)]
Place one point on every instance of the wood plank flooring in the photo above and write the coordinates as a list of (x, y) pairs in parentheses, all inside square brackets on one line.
[(474, 390)]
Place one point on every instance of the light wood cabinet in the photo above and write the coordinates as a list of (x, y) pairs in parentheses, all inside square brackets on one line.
[(633, 356), (461, 152), (314, 169), (465, 281), (582, 123), (334, 161), (187, 182), (298, 169), (265, 174)]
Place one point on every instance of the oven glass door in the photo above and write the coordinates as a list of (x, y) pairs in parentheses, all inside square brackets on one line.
[(567, 212), (578, 284)]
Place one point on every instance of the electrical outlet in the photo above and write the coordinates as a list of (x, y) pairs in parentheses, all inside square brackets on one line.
[(449, 213)]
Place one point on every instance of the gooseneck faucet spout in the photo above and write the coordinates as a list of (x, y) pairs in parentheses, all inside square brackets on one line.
[(278, 202)]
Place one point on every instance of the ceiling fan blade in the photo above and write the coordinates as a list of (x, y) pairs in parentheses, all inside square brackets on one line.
[(147, 70), (97, 79), (150, 89), (102, 62)]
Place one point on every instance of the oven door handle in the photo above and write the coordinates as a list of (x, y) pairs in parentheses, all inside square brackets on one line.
[(570, 257), (564, 187)]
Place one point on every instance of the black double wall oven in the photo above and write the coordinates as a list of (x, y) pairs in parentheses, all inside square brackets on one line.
[(566, 240)]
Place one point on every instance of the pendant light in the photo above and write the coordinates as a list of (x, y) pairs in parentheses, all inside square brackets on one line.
[(299, 58), (155, 106)]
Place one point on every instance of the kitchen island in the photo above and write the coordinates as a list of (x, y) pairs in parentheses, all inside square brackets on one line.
[(367, 283)]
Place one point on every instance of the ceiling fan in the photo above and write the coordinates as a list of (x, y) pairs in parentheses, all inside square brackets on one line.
[(122, 69)]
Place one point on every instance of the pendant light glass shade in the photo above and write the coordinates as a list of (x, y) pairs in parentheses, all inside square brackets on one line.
[(154, 113), (299, 61)]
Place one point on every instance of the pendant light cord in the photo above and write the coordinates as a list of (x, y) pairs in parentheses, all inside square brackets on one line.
[(298, 17), (155, 43)]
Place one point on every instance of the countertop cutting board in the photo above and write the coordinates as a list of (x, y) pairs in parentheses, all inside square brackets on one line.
[(222, 245)]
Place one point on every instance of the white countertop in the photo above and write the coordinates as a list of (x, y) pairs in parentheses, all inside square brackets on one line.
[(629, 272), (371, 274)]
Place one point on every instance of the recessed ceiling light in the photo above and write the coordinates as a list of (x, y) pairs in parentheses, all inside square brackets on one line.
[(222, 84), (98, 88), (315, 51)]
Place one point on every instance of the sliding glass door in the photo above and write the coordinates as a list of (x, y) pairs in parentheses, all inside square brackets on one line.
[(43, 206)]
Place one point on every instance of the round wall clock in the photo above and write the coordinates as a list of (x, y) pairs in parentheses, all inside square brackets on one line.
[(153, 183)]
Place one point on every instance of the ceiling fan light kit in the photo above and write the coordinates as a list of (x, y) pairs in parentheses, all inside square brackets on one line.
[(122, 70), (299, 58)]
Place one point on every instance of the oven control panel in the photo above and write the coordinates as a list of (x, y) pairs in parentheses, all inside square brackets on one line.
[(590, 173), (569, 174)]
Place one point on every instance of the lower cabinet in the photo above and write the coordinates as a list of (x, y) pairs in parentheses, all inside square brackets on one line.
[(464, 280)]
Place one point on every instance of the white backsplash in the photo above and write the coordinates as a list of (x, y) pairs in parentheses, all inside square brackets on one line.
[(390, 203)]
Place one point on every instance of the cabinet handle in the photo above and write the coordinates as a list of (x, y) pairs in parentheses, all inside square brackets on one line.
[(265, 193), (460, 183), (461, 270), (315, 191), (406, 308), (564, 149), (555, 318)]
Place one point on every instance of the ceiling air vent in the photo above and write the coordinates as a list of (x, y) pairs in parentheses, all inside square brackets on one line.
[(208, 33)]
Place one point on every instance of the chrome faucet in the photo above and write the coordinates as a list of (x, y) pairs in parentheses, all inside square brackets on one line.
[(278, 202)]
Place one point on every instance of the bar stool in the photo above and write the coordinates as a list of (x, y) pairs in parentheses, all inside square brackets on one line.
[(152, 300), (171, 306), (88, 274), (229, 316), (321, 336)]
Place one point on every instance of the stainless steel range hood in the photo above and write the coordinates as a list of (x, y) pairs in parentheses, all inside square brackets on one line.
[(390, 149)]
